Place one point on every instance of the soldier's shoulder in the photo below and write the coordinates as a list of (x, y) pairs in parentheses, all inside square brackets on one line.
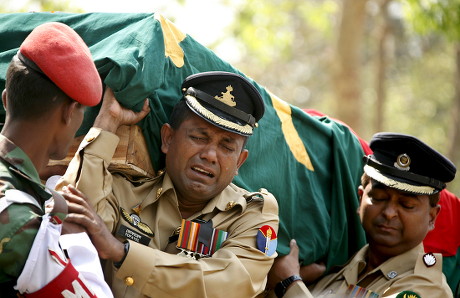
[(7, 179), (264, 198), (429, 263)]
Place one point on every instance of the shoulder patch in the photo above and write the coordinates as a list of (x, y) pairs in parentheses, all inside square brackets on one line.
[(430, 266), (408, 294), (266, 240)]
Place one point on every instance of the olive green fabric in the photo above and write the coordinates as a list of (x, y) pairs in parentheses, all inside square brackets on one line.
[(311, 164), (451, 268), (19, 223)]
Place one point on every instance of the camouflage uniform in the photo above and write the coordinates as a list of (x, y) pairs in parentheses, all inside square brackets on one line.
[(19, 223)]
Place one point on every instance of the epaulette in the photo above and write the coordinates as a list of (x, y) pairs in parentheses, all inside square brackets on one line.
[(264, 196), (430, 266), (137, 179)]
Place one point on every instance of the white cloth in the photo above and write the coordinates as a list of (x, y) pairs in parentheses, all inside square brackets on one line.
[(47, 259)]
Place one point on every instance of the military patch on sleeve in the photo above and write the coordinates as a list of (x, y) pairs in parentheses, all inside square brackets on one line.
[(266, 240), (408, 294), (135, 221)]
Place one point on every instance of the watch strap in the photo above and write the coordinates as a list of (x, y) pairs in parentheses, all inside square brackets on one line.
[(126, 249), (281, 287)]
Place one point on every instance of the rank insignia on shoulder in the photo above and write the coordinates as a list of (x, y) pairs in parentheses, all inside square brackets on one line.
[(135, 221), (429, 259), (266, 240), (408, 294)]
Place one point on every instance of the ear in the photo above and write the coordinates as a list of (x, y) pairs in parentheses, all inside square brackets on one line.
[(68, 110), (241, 159), (434, 212), (4, 98), (167, 133), (360, 196)]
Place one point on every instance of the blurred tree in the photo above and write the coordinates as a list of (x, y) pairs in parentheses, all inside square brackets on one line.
[(443, 17), (383, 36), (347, 66), (286, 45), (39, 5)]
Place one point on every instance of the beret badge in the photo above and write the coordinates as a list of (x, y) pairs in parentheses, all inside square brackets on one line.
[(403, 162)]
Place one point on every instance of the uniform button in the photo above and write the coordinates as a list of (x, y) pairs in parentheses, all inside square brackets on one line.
[(129, 281), (90, 139), (230, 205)]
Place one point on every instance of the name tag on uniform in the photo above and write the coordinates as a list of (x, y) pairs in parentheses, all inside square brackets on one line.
[(130, 234)]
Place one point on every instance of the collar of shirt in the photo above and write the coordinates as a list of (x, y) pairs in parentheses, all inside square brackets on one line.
[(229, 198), (18, 159), (389, 269)]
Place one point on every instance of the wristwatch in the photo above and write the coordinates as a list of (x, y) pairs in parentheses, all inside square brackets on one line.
[(126, 248), (281, 287)]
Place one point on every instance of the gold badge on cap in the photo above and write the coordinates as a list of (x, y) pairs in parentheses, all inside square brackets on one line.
[(429, 259), (403, 162), (227, 98)]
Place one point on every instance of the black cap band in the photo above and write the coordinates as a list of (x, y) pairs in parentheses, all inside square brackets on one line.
[(422, 180), (247, 118)]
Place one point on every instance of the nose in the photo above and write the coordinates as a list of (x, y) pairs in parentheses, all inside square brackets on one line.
[(209, 153), (390, 210)]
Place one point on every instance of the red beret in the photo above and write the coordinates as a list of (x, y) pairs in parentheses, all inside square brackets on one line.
[(62, 55)]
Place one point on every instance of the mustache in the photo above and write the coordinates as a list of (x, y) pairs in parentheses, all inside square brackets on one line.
[(379, 221)]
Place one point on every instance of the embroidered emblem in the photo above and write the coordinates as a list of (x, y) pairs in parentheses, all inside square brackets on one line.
[(266, 240), (135, 221), (408, 294), (227, 98), (392, 274), (403, 162), (429, 259)]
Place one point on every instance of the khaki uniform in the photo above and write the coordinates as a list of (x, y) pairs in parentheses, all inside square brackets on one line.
[(237, 269), (406, 272)]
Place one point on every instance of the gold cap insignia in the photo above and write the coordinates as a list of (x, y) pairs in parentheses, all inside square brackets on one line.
[(227, 98), (403, 162)]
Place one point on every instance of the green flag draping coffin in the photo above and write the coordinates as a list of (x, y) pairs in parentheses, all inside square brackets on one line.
[(311, 164)]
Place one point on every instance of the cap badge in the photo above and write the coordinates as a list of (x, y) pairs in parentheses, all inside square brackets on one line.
[(227, 98), (402, 162), (429, 259)]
